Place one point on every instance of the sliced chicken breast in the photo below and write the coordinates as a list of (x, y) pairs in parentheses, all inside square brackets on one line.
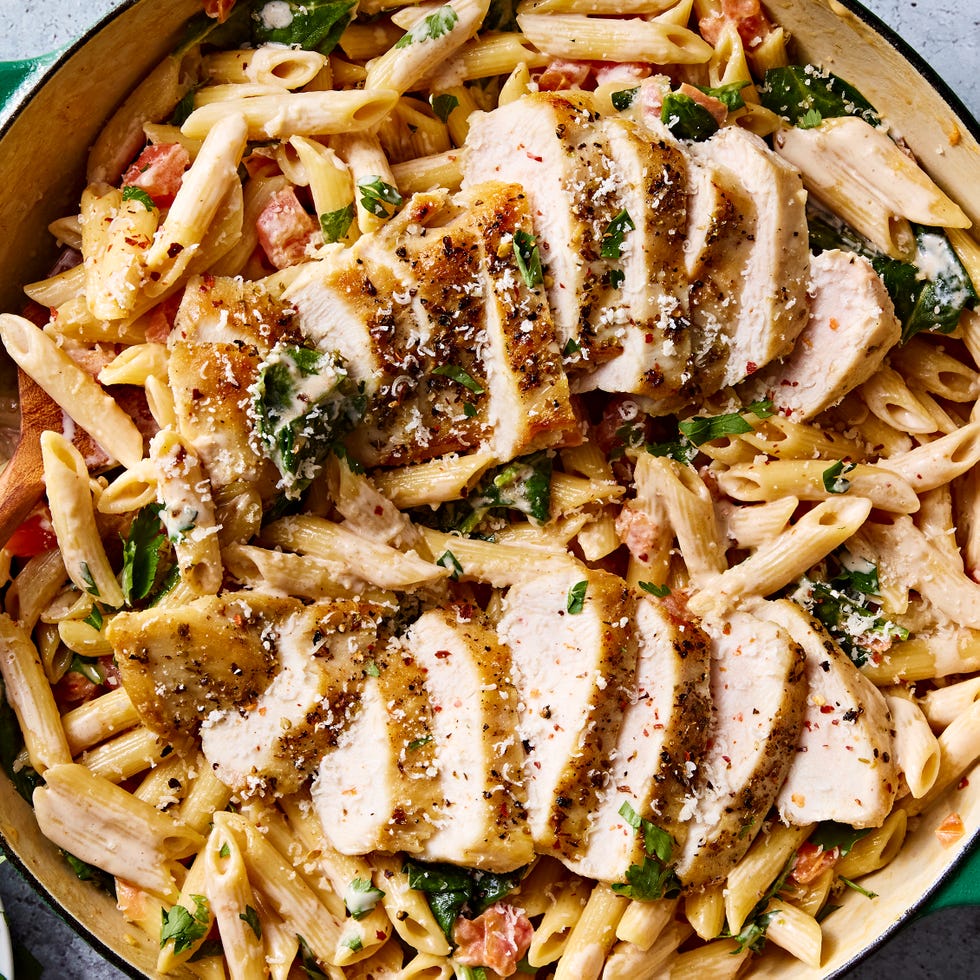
[(845, 768), (660, 742), (480, 820), (772, 300), (643, 307), (547, 143), (758, 693), (376, 789), (851, 327), (574, 654)]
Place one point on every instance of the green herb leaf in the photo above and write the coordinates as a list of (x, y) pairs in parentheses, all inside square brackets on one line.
[(460, 376), (682, 450), (703, 429), (183, 927), (528, 258), (501, 16), (309, 961), (141, 553), (251, 918), (753, 934), (796, 90), (336, 224), (224, 851), (612, 237), (576, 597), (616, 278), (469, 410), (810, 119), (304, 401), (438, 23), (361, 897), (825, 911), (24, 778), (443, 105), (417, 743), (686, 119), (857, 887), (85, 573), (378, 197), (95, 618), (523, 485), (571, 348), (88, 667), (314, 25), (131, 193), (658, 590), (448, 560), (372, 669), (830, 835), (624, 98), (353, 943), (183, 109), (729, 95), (834, 477), (653, 878)]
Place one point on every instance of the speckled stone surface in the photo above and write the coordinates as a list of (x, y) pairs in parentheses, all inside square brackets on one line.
[(945, 945)]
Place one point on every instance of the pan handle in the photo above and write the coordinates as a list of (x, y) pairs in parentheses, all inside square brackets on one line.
[(962, 887), (16, 78)]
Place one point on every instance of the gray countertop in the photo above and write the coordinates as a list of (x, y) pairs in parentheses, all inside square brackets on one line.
[(946, 944)]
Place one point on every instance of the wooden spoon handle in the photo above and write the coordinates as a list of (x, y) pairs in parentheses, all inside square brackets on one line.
[(21, 487)]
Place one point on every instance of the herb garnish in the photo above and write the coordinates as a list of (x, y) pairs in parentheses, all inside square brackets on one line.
[(831, 835), (251, 918), (314, 25), (361, 897), (457, 374), (624, 98), (443, 105), (130, 193), (379, 197), (612, 238), (687, 119), (184, 927), (576, 597), (703, 429), (654, 878), (528, 258), (336, 224), (729, 95), (658, 590), (834, 477), (85, 573), (438, 23), (796, 90), (141, 553), (449, 561)]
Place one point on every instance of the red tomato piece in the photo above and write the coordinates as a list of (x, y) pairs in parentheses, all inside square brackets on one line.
[(159, 170), (497, 939), (285, 229), (33, 537)]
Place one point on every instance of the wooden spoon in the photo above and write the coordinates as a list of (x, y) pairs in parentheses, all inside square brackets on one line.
[(22, 480)]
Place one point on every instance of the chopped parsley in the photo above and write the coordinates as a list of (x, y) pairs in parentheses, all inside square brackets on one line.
[(443, 105), (184, 928), (379, 197), (469, 410), (438, 23), (624, 98), (810, 119), (856, 887), (571, 348), (85, 573), (131, 193), (753, 931), (654, 878), (576, 597), (729, 95), (461, 377), (834, 477), (310, 965), (616, 278), (371, 669), (701, 429), (336, 224), (658, 590), (361, 897), (353, 943), (523, 485), (449, 561), (251, 918), (528, 258), (417, 743), (616, 231), (88, 667)]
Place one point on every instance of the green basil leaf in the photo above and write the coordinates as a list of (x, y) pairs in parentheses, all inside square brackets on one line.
[(95, 619), (612, 238), (830, 834), (141, 553), (361, 897), (183, 927), (795, 90), (443, 105), (460, 376), (523, 485), (336, 224), (85, 573), (528, 259), (438, 23), (130, 193), (703, 429), (449, 561), (309, 961), (378, 197), (576, 597), (686, 119), (658, 590), (571, 348), (251, 918), (729, 95), (616, 278), (834, 477), (314, 25), (624, 98)]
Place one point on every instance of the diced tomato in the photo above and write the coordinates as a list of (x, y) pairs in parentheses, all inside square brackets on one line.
[(34, 536), (561, 74), (748, 17), (159, 170), (811, 862), (285, 229), (92, 359), (497, 939), (160, 320), (716, 107), (219, 9), (950, 830), (639, 532)]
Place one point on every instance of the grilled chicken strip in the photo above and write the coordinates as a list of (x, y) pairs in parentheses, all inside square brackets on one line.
[(265, 681), (480, 820), (845, 767), (771, 300), (376, 788), (758, 693), (660, 742), (851, 327), (572, 670), (432, 315)]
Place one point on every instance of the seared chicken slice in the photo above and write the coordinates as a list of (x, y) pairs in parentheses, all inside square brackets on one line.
[(376, 789), (219, 309), (547, 143), (574, 653), (661, 740), (845, 767), (758, 693), (210, 384), (852, 326), (480, 820), (772, 301), (643, 309), (266, 681)]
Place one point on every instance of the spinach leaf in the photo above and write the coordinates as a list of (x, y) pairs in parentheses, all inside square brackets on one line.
[(315, 25), (25, 779), (87, 872), (523, 485), (831, 834), (701, 429), (304, 402), (729, 95), (443, 105), (624, 98), (686, 119), (141, 553), (654, 878), (798, 90)]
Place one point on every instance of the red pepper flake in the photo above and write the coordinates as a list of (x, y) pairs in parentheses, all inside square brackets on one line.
[(826, 709), (963, 783)]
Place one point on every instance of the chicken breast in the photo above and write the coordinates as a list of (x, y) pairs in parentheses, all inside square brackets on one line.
[(758, 693), (851, 327), (643, 307), (574, 654), (546, 142), (660, 742), (480, 820), (772, 301), (376, 789), (845, 768)]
